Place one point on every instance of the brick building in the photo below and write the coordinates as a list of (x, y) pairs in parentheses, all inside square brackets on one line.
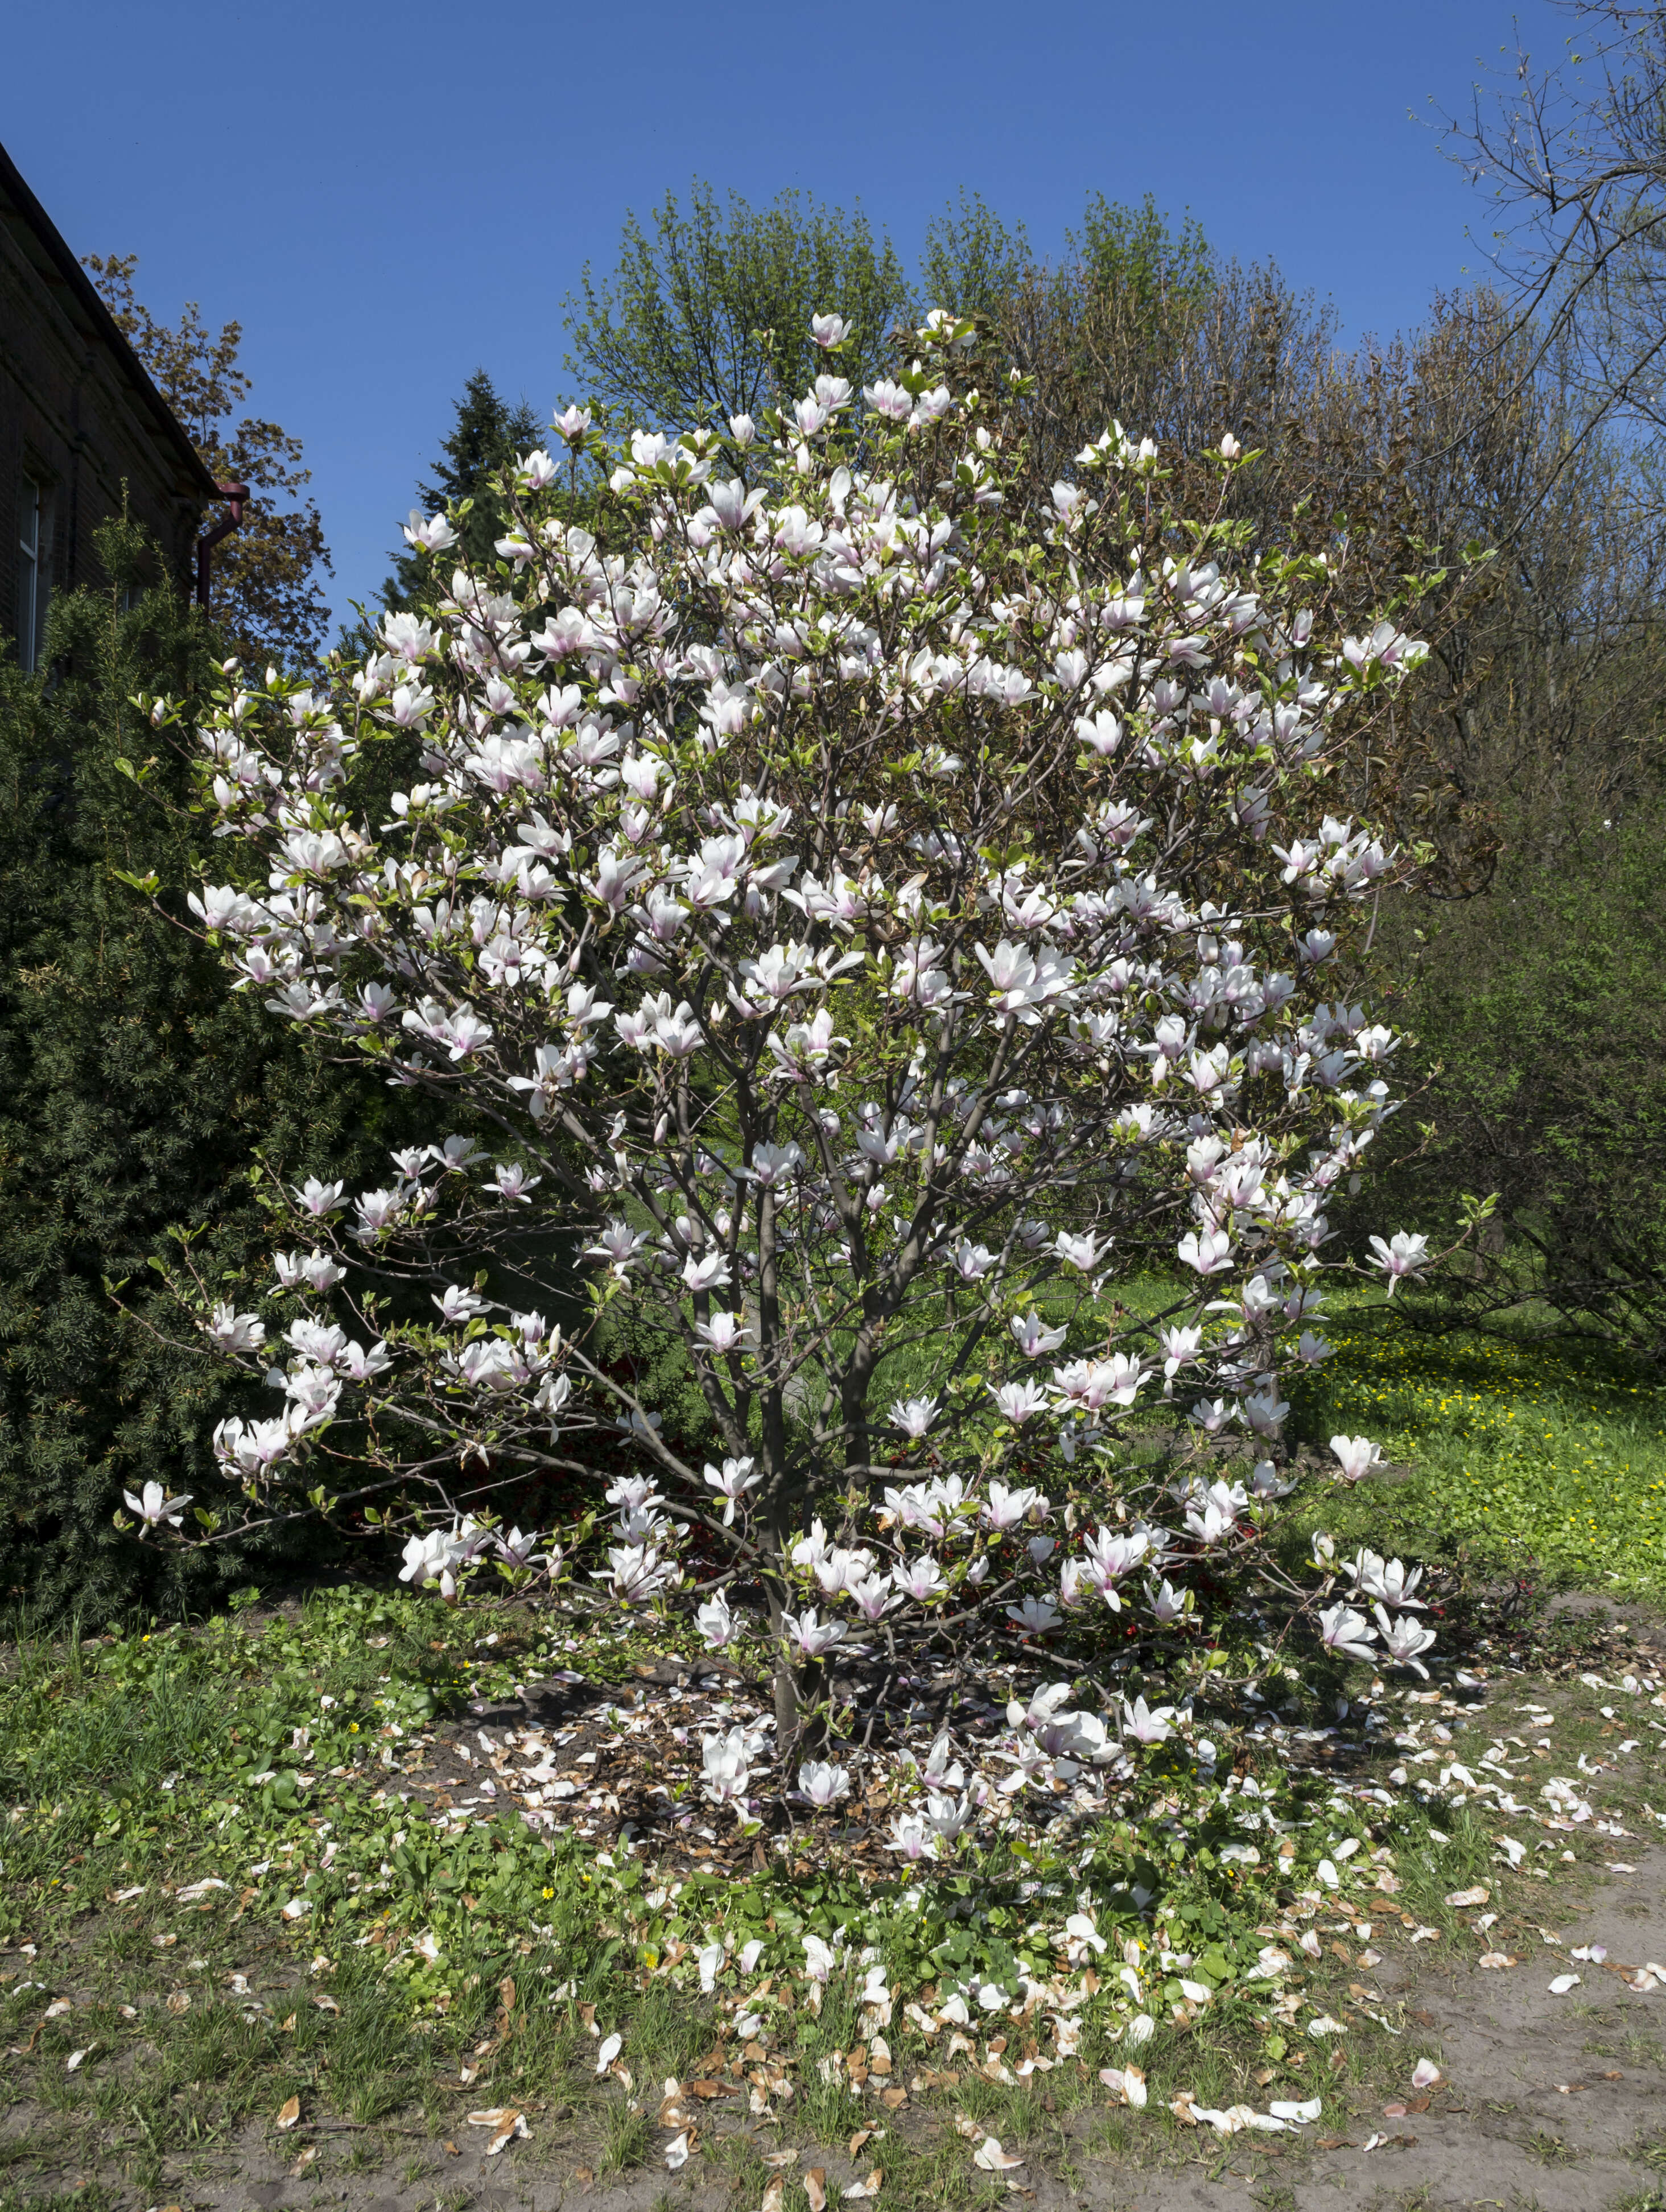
[(79, 416)]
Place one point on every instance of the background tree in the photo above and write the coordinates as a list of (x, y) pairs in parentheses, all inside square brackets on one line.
[(709, 315), (1575, 158), (265, 596), (487, 437)]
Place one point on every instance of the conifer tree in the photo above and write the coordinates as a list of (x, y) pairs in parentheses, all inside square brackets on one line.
[(135, 1088), (487, 435)]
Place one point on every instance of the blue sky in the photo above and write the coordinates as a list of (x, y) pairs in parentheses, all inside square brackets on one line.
[(389, 195)]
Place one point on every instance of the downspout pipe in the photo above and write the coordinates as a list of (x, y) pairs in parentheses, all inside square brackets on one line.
[(236, 494)]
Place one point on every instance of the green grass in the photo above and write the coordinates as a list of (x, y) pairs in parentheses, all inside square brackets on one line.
[(1538, 1456), (151, 1759)]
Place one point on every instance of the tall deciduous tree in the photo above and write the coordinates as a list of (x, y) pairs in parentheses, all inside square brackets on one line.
[(265, 596), (707, 314)]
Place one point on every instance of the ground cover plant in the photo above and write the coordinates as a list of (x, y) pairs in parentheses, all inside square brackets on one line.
[(311, 1855), (1542, 1457)]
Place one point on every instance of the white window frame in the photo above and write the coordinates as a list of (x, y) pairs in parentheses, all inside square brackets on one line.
[(32, 507)]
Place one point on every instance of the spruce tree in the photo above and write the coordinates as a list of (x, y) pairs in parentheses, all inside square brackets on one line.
[(488, 435)]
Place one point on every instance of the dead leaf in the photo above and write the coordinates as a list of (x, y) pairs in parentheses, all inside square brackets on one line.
[(893, 2099), (708, 2089), (678, 2150), (303, 2161), (1477, 1895), (287, 2026), (288, 2112), (868, 2188), (510, 2125), (861, 2135), (774, 2193), (780, 2158), (814, 2187), (326, 2004), (965, 2125)]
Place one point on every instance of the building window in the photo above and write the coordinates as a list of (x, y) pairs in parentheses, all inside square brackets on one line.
[(31, 553)]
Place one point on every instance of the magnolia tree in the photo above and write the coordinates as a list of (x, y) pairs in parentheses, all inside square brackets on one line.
[(863, 916)]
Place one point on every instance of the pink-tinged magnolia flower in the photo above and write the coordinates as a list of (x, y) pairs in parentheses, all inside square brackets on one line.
[(972, 1262), (435, 534), (715, 1623), (1355, 1456), (814, 1638), (822, 1785), (920, 1579), (1035, 1616), (1403, 1639), (1033, 1337), (872, 1598), (726, 1766), (1209, 1250), (1006, 1509), (1145, 1725), (1391, 1580), (618, 1244), (516, 1550), (707, 1271), (573, 424), (319, 1197), (1019, 1401), (154, 1505), (433, 1557), (235, 1332), (637, 1573), (732, 1483), (1213, 1516), (1266, 1412), (724, 1332), (1167, 1603), (829, 331), (1082, 1253), (1342, 1629), (1403, 1255), (913, 1416), (912, 1838)]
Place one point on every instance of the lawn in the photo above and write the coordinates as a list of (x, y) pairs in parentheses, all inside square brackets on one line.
[(239, 1867)]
